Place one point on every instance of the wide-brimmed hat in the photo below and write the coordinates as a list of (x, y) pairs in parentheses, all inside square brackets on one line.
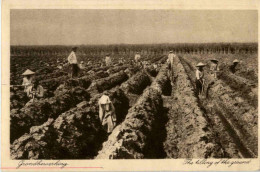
[(108, 54), (28, 72), (200, 64), (214, 60), (236, 61), (170, 51)]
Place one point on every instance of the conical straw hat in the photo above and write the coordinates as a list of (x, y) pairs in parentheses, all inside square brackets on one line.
[(200, 65), (214, 60), (28, 72)]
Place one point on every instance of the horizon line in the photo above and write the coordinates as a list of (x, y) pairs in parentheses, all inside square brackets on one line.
[(134, 44)]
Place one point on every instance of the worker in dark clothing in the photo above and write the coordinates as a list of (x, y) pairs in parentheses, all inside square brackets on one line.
[(232, 68)]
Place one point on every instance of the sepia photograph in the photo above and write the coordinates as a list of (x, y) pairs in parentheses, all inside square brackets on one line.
[(133, 84), (129, 86)]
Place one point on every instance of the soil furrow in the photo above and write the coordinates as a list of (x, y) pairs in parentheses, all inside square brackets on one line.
[(78, 132), (189, 135), (243, 139)]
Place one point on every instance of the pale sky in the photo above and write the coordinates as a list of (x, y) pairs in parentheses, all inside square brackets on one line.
[(75, 27)]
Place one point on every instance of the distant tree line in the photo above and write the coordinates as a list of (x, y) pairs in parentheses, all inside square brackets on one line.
[(153, 49)]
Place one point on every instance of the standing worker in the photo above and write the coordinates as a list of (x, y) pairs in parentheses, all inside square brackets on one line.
[(137, 57), (170, 63), (72, 59), (107, 114), (108, 60), (199, 78), (214, 67), (27, 80), (232, 68)]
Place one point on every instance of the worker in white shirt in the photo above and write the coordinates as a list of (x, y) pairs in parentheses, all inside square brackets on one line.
[(107, 114), (137, 57), (199, 78), (214, 67), (170, 63), (108, 60), (28, 78), (72, 59)]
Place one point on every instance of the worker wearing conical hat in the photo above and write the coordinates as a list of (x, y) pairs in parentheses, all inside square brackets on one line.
[(107, 114), (214, 67), (108, 60), (199, 78), (28, 77), (232, 68)]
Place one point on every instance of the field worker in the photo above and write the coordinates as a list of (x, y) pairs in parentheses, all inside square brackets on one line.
[(137, 57), (214, 67), (27, 80), (107, 114), (232, 68), (89, 63), (108, 60), (155, 66), (170, 63), (60, 66), (199, 78), (35, 91), (120, 61), (72, 59), (81, 65)]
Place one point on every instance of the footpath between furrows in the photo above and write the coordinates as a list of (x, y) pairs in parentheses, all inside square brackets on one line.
[(134, 137), (238, 130), (189, 135)]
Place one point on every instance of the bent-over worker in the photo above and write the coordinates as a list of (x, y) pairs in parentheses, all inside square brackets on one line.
[(27, 80), (35, 90), (214, 67), (199, 78), (72, 59), (107, 114)]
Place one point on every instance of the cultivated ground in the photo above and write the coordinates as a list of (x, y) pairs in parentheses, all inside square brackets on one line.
[(156, 119)]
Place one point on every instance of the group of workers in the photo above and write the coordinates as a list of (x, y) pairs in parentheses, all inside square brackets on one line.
[(200, 81), (214, 69), (107, 114)]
